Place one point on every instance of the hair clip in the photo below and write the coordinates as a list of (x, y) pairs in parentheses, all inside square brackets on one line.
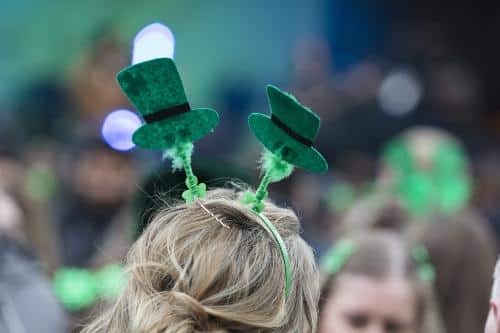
[(213, 215), (155, 88), (288, 135), (336, 257)]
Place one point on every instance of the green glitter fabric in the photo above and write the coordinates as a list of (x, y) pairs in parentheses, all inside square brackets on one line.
[(300, 120), (153, 86)]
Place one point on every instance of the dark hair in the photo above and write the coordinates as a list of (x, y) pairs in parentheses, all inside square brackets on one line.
[(462, 250)]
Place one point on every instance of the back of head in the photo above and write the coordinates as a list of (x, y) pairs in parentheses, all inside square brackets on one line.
[(462, 251), (211, 266)]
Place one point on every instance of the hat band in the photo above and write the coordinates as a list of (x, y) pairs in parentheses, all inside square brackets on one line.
[(167, 113), (290, 132)]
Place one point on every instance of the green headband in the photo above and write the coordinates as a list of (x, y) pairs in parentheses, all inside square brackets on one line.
[(337, 256), (154, 87), (426, 270)]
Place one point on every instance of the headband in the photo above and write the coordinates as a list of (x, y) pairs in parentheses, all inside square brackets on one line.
[(155, 89), (338, 255)]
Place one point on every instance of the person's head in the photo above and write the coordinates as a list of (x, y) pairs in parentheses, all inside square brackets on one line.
[(462, 251), (212, 266), (493, 321), (375, 211), (11, 216), (427, 170), (12, 169), (311, 60), (101, 176), (372, 285)]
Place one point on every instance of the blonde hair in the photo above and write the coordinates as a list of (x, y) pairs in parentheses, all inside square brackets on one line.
[(189, 273)]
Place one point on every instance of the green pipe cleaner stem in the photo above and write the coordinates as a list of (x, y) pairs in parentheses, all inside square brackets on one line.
[(261, 192), (185, 157), (276, 169)]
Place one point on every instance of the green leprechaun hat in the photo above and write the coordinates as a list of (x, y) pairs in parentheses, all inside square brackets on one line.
[(155, 89), (290, 131)]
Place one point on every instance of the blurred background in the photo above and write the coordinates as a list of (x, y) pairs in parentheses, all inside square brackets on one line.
[(406, 90)]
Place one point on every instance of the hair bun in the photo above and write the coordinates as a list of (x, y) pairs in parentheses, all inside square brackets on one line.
[(187, 315)]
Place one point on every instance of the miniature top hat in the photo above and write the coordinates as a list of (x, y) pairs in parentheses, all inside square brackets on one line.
[(155, 89), (290, 131)]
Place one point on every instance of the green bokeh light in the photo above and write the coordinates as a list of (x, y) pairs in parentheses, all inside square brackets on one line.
[(76, 288)]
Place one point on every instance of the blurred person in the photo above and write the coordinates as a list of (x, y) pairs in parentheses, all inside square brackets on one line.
[(493, 322), (39, 192), (312, 66), (11, 216), (92, 83), (93, 218), (372, 283), (313, 84), (455, 238), (26, 300), (486, 195), (211, 266), (423, 171), (462, 251), (306, 195), (427, 170), (422, 143), (460, 246), (374, 211), (28, 175), (361, 82), (11, 168), (94, 226), (456, 92), (455, 95), (44, 107)]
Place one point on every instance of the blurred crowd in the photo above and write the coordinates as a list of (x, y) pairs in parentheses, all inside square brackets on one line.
[(407, 139)]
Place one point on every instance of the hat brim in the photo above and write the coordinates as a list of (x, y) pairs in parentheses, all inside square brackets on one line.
[(274, 138), (186, 127)]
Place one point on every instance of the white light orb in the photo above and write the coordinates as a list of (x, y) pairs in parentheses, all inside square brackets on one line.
[(153, 41), (400, 92), (118, 128)]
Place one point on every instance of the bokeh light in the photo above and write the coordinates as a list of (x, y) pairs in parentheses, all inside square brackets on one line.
[(118, 128), (153, 41), (400, 92)]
